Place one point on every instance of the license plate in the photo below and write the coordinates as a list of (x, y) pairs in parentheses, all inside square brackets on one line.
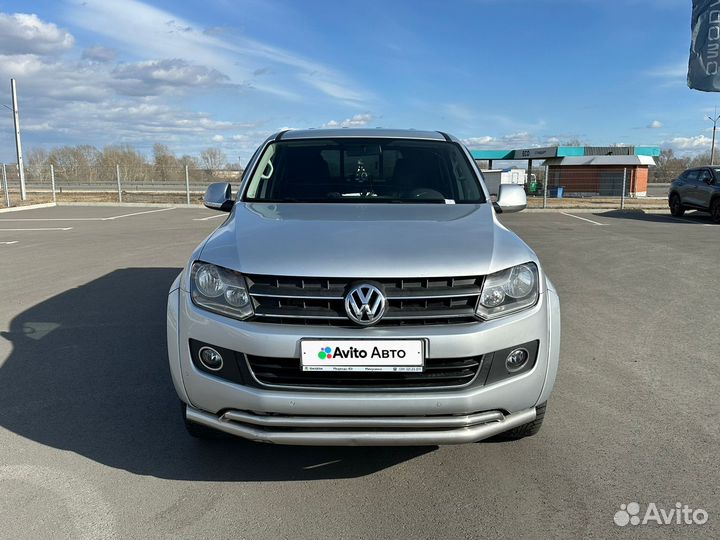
[(401, 355)]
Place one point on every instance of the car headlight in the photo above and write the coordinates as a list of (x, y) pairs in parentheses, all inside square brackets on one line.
[(220, 290), (509, 291)]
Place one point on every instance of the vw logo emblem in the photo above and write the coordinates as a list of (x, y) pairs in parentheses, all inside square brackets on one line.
[(365, 304)]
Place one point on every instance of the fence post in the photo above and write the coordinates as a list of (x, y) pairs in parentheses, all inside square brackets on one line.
[(622, 195), (52, 181), (117, 174), (5, 186), (545, 184), (187, 184)]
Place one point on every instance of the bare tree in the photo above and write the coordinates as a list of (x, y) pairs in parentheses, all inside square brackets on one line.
[(133, 165), (166, 165), (669, 166), (37, 165), (189, 161), (75, 163), (213, 159)]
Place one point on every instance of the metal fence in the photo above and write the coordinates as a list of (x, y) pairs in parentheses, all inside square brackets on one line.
[(174, 185), (615, 186), (596, 187)]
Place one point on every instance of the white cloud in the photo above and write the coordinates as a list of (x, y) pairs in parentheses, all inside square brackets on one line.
[(510, 141), (25, 33), (669, 75), (358, 120), (487, 140), (162, 34), (95, 99), (75, 95), (147, 77), (670, 71), (99, 54), (698, 142), (655, 124)]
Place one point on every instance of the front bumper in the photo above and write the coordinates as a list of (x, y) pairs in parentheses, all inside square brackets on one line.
[(216, 402), (363, 431)]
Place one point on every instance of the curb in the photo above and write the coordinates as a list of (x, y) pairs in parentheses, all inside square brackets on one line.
[(131, 205), (27, 207)]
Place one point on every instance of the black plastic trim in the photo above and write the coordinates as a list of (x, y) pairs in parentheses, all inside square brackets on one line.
[(232, 369), (498, 372), (280, 134)]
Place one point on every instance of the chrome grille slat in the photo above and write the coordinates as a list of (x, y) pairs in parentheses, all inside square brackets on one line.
[(411, 301)]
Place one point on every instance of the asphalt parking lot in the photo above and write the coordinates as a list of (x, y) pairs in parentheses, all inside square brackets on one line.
[(92, 445)]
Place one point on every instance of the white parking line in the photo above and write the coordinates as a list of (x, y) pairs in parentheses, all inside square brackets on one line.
[(89, 218), (9, 243), (140, 213), (584, 219), (209, 217), (57, 219), (54, 219), (41, 229)]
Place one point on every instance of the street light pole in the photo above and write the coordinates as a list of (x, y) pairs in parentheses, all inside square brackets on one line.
[(712, 150), (18, 145)]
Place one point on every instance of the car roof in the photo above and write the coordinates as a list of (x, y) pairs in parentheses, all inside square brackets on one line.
[(365, 133)]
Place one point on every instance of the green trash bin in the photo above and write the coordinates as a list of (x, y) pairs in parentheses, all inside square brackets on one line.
[(533, 189)]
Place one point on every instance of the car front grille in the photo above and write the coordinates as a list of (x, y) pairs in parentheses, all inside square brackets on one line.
[(320, 301), (438, 372)]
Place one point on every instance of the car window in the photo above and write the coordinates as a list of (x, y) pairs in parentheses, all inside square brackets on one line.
[(369, 170), (704, 175), (691, 176)]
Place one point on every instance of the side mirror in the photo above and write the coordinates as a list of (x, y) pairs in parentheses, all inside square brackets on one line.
[(218, 196), (511, 198)]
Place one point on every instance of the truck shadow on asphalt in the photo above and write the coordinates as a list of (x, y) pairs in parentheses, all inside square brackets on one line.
[(88, 373)]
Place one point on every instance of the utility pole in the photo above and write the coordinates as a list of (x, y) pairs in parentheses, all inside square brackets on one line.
[(712, 150), (18, 144)]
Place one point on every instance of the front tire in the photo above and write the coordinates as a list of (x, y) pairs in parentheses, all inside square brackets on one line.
[(715, 209), (526, 430), (676, 207)]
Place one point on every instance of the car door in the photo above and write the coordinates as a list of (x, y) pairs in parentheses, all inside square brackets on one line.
[(687, 186), (705, 188)]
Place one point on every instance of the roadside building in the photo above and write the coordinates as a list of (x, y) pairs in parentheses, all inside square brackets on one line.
[(585, 170)]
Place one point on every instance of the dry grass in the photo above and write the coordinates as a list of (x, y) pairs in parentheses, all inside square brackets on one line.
[(103, 196)]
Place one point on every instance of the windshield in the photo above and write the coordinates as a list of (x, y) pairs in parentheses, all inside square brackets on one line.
[(367, 170)]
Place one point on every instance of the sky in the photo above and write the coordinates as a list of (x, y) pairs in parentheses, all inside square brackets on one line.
[(221, 73)]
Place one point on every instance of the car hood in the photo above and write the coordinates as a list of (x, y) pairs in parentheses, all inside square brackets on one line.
[(364, 241)]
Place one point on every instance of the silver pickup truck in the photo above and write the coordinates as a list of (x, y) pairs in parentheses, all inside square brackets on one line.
[(362, 292)]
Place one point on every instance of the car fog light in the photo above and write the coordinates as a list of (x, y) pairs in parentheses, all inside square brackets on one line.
[(210, 358), (516, 360)]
